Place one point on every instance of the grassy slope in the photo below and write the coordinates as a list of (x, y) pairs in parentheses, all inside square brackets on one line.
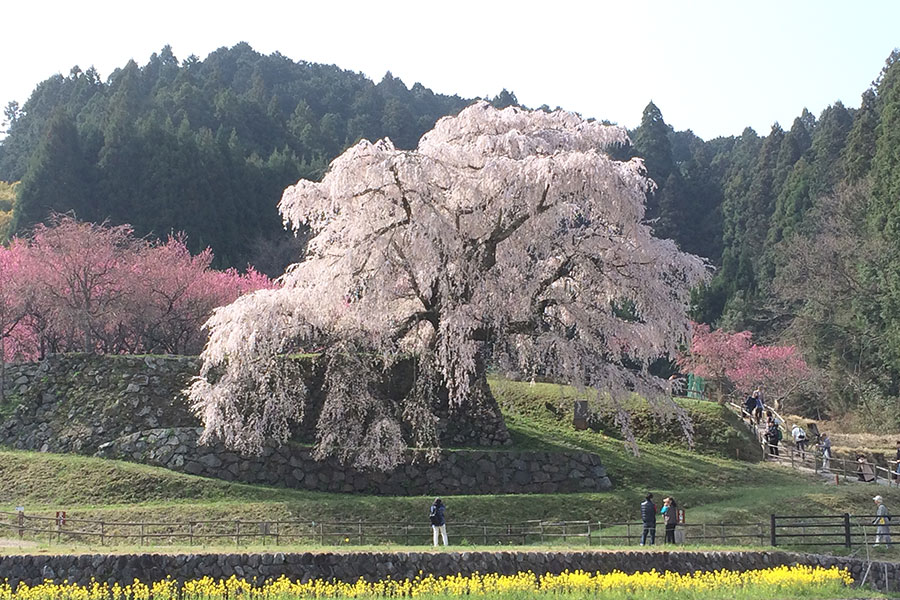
[(711, 488)]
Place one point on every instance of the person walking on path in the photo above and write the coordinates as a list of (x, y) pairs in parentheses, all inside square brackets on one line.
[(825, 445), (438, 522), (799, 437), (882, 518), (773, 436), (864, 469), (760, 406), (750, 408), (648, 518), (670, 518)]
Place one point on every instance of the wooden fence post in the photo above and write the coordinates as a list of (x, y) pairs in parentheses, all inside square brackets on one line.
[(142, 533), (846, 530), (102, 533), (772, 537)]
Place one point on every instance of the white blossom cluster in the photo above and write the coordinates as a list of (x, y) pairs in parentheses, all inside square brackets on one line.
[(507, 238)]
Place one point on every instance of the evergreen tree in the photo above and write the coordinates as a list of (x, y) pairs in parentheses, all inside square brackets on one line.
[(58, 178)]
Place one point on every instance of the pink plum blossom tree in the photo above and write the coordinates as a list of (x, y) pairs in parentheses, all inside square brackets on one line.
[(75, 286), (508, 236), (731, 359), (13, 305)]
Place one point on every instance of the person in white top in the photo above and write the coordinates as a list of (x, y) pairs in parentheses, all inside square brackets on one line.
[(799, 437)]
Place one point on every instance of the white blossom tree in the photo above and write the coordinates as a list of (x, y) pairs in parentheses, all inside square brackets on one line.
[(508, 237)]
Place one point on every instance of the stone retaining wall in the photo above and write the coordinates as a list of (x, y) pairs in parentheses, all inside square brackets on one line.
[(452, 472), (399, 565), (133, 408), (75, 402)]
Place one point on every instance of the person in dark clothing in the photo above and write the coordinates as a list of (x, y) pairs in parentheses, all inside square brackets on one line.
[(438, 523), (749, 408), (648, 518), (758, 410), (773, 436), (670, 518)]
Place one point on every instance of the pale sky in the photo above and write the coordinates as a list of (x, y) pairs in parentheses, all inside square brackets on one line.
[(711, 66)]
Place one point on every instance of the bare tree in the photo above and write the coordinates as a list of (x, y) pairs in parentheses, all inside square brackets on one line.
[(507, 235)]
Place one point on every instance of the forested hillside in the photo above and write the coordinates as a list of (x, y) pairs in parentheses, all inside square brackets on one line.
[(205, 147), (803, 226), (802, 222)]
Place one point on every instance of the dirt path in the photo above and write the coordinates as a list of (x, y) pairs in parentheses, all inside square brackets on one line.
[(8, 543)]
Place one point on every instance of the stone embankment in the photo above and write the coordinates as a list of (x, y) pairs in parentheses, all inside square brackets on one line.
[(124, 568), (133, 408), (75, 402), (450, 472)]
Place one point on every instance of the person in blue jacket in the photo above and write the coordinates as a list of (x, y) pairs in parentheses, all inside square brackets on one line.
[(648, 518), (438, 522)]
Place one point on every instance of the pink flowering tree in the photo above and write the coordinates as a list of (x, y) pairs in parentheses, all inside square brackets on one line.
[(508, 237), (778, 370), (14, 305), (75, 286), (713, 354), (732, 362), (176, 292), (79, 275)]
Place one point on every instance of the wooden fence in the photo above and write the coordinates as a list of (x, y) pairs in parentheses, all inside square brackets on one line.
[(347, 533), (822, 530), (781, 530)]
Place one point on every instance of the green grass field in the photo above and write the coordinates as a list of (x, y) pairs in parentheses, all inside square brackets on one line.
[(712, 487)]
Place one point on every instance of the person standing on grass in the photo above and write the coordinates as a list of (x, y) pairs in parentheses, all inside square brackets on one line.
[(438, 522), (825, 445), (882, 518), (670, 518), (648, 518)]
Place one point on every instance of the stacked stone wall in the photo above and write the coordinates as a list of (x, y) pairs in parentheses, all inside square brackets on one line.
[(349, 567), (133, 408), (76, 402), (451, 472)]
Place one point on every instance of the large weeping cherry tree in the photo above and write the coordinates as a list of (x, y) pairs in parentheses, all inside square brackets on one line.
[(508, 238)]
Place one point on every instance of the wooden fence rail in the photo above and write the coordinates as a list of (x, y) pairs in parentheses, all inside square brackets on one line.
[(809, 530)]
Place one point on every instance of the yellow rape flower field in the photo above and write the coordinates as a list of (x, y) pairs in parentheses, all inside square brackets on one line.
[(776, 582)]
